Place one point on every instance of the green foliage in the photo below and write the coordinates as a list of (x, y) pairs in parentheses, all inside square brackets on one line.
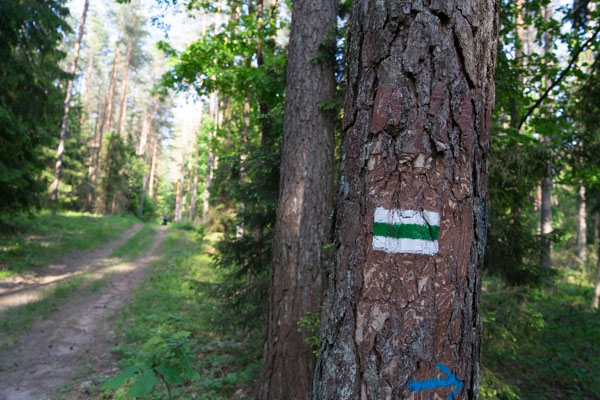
[(30, 100), (539, 344), (164, 357), (122, 178), (310, 324), (168, 314)]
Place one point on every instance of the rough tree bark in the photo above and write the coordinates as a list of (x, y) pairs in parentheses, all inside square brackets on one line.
[(67, 106), (402, 306), (581, 226), (303, 223)]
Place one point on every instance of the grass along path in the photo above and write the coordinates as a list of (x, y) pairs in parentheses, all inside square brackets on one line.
[(168, 331), (31, 286), (76, 337), (31, 243), (35, 299)]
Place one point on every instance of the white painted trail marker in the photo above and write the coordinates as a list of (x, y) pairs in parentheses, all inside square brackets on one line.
[(406, 231)]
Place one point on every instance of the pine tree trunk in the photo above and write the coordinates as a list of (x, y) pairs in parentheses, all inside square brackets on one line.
[(111, 92), (95, 147), (88, 89), (67, 105), (188, 189), (303, 224), (210, 162), (151, 108), (546, 222), (153, 168), (596, 227), (546, 210), (124, 88), (402, 306), (180, 180), (195, 185), (581, 226)]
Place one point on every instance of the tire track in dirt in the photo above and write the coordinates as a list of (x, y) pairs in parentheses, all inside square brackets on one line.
[(75, 338)]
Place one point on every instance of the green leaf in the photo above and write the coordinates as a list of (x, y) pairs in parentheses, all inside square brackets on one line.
[(152, 343), (143, 384), (120, 379), (186, 363), (181, 334), (171, 374)]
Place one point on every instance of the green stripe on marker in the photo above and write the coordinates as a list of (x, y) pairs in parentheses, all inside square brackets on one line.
[(406, 231)]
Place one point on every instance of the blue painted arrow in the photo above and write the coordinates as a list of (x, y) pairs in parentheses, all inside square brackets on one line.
[(437, 383)]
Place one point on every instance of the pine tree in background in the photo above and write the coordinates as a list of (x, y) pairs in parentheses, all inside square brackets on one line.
[(67, 106), (30, 101)]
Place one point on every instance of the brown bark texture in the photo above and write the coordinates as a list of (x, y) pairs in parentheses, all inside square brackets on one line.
[(416, 137), (303, 224)]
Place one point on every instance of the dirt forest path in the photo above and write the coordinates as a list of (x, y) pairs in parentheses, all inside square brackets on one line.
[(28, 287), (75, 338)]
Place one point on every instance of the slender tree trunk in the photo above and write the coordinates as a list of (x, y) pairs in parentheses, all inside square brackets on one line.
[(596, 227), (596, 298), (195, 185), (124, 88), (581, 226), (153, 168), (111, 90), (243, 173), (151, 109), (95, 147), (180, 180), (402, 305), (67, 105), (546, 206), (188, 187), (141, 152), (88, 89), (213, 114), (303, 224), (546, 222)]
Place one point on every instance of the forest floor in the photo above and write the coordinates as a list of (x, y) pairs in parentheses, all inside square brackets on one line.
[(76, 338)]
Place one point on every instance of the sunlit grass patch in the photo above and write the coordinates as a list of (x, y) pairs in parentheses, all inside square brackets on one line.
[(137, 245), (42, 239)]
